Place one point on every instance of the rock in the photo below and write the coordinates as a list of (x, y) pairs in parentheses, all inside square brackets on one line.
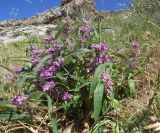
[(78, 8), (19, 33), (41, 23), (11, 40)]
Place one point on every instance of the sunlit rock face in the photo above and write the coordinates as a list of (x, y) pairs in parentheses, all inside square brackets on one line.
[(78, 8), (19, 33), (38, 25), (18, 30)]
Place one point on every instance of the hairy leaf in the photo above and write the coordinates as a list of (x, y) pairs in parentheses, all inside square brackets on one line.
[(98, 98), (95, 79)]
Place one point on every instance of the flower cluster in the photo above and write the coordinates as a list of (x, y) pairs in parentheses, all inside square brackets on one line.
[(62, 95), (10, 78), (17, 69), (35, 54), (99, 47), (48, 85), (100, 59), (53, 49), (86, 22), (100, 56), (89, 69), (35, 59), (135, 53), (34, 50), (107, 81), (132, 63), (135, 45), (84, 30), (135, 49), (68, 23), (49, 38), (44, 73), (18, 100)]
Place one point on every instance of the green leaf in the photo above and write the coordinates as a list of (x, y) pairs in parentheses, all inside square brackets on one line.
[(20, 82), (96, 34), (35, 95), (132, 84), (99, 124), (81, 58), (83, 50), (115, 104), (98, 98), (54, 126), (5, 103), (95, 79), (79, 79), (61, 77), (79, 87), (119, 55), (22, 79), (60, 31), (11, 115), (5, 68), (49, 100)]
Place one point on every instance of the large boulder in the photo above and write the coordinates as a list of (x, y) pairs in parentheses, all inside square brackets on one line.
[(78, 8)]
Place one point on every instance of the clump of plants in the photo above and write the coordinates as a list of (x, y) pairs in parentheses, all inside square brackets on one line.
[(73, 78)]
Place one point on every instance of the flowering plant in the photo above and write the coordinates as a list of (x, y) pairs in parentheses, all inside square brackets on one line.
[(68, 75)]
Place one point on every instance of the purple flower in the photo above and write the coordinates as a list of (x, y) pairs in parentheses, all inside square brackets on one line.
[(61, 60), (135, 45), (18, 100), (105, 58), (66, 96), (49, 38), (107, 91), (106, 78), (99, 47), (34, 50), (68, 21), (84, 29), (52, 69), (10, 78), (53, 49), (86, 22), (88, 70), (35, 59), (45, 73), (62, 95), (100, 60), (132, 63), (17, 69), (56, 65), (135, 49), (67, 30), (48, 85), (83, 39)]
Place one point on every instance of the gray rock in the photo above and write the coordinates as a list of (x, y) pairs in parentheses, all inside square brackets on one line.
[(41, 23)]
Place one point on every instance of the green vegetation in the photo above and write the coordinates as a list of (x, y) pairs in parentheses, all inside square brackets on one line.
[(86, 91)]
